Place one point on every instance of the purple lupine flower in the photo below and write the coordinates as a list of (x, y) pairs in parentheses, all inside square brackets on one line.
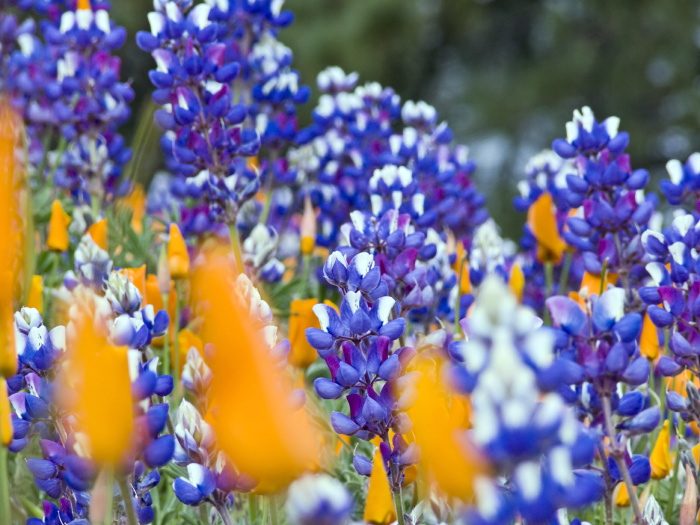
[(69, 85), (683, 183), (360, 131), (613, 211), (672, 295)]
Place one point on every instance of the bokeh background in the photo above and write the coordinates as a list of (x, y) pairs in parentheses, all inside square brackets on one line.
[(506, 74)]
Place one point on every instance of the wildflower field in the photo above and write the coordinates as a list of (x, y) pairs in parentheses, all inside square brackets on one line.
[(320, 324)]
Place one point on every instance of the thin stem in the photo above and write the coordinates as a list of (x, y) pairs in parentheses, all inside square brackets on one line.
[(236, 247), (618, 456), (252, 509), (398, 505), (674, 486), (109, 497), (5, 514), (273, 510), (564, 276), (306, 276), (458, 327), (549, 285), (176, 342), (128, 501), (225, 516), (166, 342), (608, 506)]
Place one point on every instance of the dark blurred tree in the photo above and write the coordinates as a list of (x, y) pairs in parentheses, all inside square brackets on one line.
[(506, 74)]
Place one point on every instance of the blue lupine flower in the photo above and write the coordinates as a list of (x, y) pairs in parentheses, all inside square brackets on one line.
[(69, 85), (198, 485), (614, 213), (683, 183), (532, 439), (672, 295), (318, 500)]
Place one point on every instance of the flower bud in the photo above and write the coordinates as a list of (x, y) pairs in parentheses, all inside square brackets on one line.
[(58, 228), (98, 233), (178, 258)]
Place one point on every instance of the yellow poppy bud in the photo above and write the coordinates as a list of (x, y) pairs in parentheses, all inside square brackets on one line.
[(379, 505), (98, 232), (649, 344), (543, 225), (178, 258), (35, 299), (622, 497), (445, 458), (96, 386), (186, 339), (461, 268), (6, 430), (8, 351), (660, 457), (301, 317), (136, 203), (58, 228), (252, 418), (516, 281)]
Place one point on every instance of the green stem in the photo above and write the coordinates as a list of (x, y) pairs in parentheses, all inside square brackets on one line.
[(5, 514), (252, 509), (674, 485), (128, 501), (398, 505), (306, 276), (109, 497), (236, 247), (273, 510), (458, 303), (549, 285), (618, 456), (166, 342), (176, 342), (564, 276)]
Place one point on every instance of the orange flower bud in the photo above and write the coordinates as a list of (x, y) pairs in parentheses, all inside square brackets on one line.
[(301, 317), (622, 497), (58, 228), (98, 232), (252, 418), (8, 352), (35, 299), (543, 225), (5, 415), (516, 281), (178, 258), (96, 386), (379, 505), (84, 4), (186, 339), (660, 457), (445, 459), (649, 344), (136, 203)]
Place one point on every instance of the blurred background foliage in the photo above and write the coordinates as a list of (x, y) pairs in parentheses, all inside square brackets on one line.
[(506, 74)]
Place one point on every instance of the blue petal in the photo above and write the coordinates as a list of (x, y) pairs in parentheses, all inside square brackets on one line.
[(41, 468), (566, 314), (159, 451), (327, 389), (186, 492), (342, 424)]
